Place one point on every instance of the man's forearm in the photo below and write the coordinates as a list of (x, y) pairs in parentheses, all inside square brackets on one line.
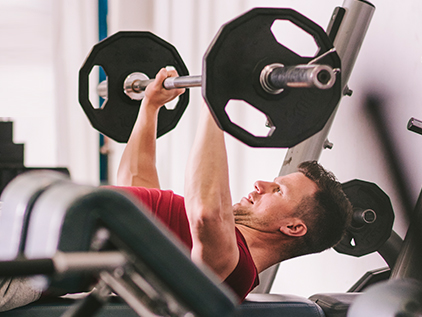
[(138, 163)]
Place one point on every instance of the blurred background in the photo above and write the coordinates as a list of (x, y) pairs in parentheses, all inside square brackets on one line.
[(43, 43)]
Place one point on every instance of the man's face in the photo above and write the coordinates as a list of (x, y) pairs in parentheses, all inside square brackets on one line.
[(271, 203)]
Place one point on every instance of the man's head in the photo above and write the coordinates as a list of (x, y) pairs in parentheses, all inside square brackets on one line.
[(307, 207), (272, 206), (326, 214)]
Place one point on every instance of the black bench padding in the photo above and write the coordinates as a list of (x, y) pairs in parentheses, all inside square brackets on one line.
[(335, 304), (257, 305), (55, 308), (274, 305)]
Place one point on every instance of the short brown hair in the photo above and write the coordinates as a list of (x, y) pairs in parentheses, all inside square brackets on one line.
[(327, 213)]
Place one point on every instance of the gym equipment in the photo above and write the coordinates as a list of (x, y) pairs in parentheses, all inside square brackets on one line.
[(18, 199), (294, 114), (409, 260), (389, 299), (415, 125), (372, 221), (297, 94), (374, 107), (273, 78), (120, 55)]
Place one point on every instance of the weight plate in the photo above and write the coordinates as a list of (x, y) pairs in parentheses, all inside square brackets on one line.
[(365, 238), (120, 55), (232, 66)]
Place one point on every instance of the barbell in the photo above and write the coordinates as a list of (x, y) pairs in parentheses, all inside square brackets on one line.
[(273, 78), (245, 62)]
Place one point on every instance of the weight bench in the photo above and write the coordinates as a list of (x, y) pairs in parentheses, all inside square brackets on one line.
[(271, 306), (68, 224)]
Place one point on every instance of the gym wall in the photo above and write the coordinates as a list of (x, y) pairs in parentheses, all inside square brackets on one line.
[(46, 41)]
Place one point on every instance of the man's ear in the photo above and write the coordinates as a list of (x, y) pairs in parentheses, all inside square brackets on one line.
[(294, 227)]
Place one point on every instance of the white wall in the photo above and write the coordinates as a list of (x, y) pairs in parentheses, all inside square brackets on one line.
[(25, 62), (43, 43), (46, 42)]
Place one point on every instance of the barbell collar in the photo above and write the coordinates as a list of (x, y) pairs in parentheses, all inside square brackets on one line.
[(135, 84), (363, 216), (274, 79)]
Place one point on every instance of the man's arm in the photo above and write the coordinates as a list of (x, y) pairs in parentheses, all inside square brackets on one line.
[(208, 200), (138, 163)]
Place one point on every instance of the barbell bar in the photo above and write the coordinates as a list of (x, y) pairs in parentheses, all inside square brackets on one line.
[(274, 78)]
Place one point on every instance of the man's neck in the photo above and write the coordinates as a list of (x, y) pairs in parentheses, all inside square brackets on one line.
[(263, 246)]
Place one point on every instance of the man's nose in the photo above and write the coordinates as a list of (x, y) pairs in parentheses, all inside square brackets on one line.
[(263, 186)]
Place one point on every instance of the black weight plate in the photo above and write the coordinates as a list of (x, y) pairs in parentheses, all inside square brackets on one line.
[(369, 237), (119, 55), (232, 65)]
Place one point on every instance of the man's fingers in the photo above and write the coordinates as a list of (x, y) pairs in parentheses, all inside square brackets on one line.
[(161, 75), (172, 73)]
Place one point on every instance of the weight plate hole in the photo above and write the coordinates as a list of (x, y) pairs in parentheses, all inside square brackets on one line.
[(294, 38), (172, 104), (95, 89), (249, 118), (353, 242)]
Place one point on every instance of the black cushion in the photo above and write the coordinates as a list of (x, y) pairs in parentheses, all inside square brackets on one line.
[(272, 305), (335, 304)]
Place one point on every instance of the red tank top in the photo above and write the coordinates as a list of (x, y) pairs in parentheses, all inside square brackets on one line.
[(169, 208)]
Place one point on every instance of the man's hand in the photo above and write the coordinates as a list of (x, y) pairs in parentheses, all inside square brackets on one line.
[(137, 165), (156, 95)]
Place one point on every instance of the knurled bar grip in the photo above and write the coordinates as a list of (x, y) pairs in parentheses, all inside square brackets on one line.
[(139, 85)]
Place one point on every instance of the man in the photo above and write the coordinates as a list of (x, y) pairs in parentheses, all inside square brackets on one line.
[(300, 213)]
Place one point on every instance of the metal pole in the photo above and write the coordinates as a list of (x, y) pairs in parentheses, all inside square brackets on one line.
[(349, 24)]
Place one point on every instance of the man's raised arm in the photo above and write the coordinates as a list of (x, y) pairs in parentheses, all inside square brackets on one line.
[(138, 163), (208, 200)]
